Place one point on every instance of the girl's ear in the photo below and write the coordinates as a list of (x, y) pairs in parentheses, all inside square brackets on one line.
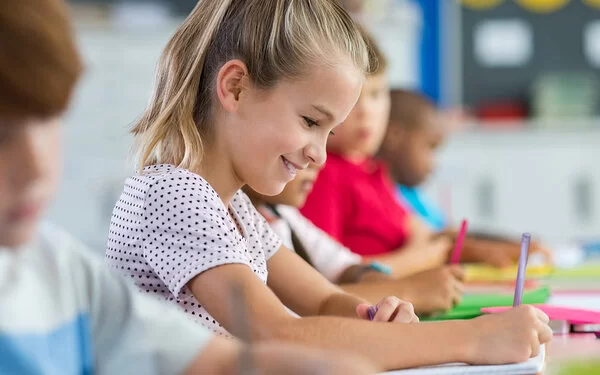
[(231, 80)]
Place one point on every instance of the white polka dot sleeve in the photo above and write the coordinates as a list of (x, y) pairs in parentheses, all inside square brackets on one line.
[(187, 230)]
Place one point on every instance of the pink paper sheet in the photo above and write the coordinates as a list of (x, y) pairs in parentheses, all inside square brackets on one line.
[(571, 315)]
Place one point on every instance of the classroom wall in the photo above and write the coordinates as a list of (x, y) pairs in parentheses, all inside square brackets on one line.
[(113, 93), (542, 181), (556, 43)]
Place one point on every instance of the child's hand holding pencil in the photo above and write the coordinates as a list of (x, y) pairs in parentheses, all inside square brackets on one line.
[(516, 334), (390, 309), (508, 337)]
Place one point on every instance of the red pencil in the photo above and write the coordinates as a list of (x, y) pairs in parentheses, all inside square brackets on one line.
[(459, 243)]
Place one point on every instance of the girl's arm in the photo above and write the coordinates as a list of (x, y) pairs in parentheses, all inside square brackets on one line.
[(503, 338)]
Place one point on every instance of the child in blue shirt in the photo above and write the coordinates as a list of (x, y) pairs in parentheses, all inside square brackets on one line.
[(413, 137)]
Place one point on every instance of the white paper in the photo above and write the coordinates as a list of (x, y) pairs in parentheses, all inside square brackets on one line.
[(503, 43), (534, 365)]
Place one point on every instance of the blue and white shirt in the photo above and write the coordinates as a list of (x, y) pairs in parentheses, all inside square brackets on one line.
[(62, 312)]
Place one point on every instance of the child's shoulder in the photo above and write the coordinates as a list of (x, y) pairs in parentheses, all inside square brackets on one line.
[(341, 172), (56, 245), (60, 266), (336, 161), (334, 169)]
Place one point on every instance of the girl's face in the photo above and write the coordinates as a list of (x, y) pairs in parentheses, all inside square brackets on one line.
[(362, 132), (277, 132), (29, 171)]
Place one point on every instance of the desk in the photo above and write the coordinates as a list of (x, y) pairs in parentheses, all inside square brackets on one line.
[(572, 347), (569, 349)]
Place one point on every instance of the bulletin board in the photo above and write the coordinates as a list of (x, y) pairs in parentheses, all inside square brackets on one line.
[(549, 37)]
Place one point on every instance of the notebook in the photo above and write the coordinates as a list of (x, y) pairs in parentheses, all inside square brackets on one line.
[(534, 365)]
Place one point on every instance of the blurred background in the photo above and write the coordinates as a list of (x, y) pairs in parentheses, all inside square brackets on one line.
[(518, 80)]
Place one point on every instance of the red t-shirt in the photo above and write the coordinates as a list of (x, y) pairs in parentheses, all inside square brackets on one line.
[(356, 204)]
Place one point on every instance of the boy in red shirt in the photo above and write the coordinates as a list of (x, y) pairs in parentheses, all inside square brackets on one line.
[(354, 200)]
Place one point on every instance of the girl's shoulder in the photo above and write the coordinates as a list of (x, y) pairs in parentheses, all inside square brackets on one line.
[(168, 186), (173, 179)]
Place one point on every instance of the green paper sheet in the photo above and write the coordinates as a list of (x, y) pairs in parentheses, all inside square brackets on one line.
[(471, 304)]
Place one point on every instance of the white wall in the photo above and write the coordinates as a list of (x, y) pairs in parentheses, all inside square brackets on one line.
[(113, 93), (542, 181)]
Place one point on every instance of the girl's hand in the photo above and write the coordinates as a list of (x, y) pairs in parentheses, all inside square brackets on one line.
[(390, 309), (509, 337)]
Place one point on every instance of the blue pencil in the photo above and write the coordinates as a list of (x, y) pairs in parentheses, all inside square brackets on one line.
[(525, 240)]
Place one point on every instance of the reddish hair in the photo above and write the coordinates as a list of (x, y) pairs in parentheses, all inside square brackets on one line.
[(40, 64)]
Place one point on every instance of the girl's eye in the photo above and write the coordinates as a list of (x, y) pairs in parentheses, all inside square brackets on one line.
[(310, 122)]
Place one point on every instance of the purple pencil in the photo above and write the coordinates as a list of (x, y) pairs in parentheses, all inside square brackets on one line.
[(372, 311), (525, 240)]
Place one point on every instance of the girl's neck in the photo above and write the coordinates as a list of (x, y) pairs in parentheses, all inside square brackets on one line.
[(220, 174)]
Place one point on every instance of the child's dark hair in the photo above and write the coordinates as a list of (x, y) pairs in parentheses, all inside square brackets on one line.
[(40, 63), (407, 108)]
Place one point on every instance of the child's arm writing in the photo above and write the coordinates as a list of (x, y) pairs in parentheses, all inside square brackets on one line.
[(513, 336)]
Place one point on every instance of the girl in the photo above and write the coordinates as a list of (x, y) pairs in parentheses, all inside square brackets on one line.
[(247, 93)]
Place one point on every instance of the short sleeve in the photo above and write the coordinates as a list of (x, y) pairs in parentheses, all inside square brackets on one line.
[(187, 230), (267, 237), (132, 333)]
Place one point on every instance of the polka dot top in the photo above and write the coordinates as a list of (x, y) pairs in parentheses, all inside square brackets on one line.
[(170, 225)]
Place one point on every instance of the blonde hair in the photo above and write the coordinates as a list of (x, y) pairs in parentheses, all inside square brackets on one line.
[(276, 39)]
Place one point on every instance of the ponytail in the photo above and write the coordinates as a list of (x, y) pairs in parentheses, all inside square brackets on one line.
[(167, 131)]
